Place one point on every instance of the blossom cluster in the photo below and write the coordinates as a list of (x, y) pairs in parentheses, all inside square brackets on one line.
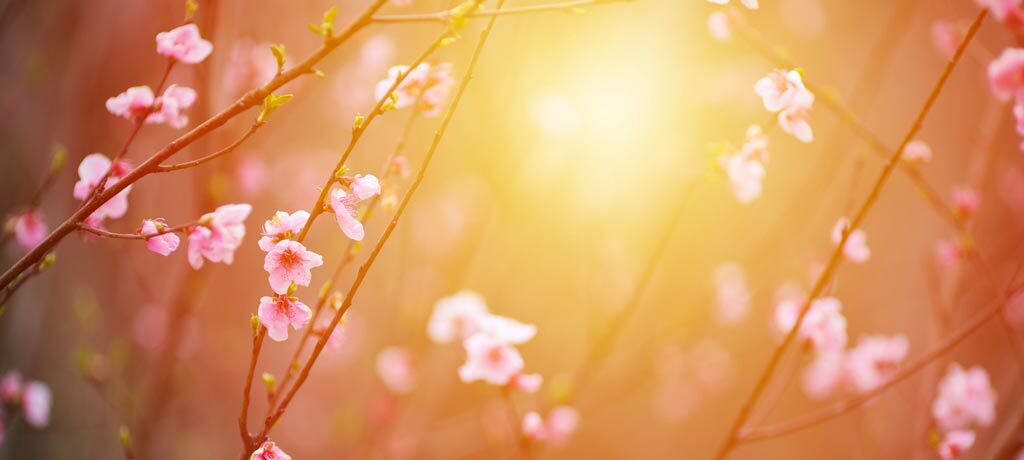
[(425, 84), (965, 401), (33, 399)]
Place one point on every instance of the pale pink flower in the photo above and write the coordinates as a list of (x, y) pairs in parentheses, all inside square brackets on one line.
[(505, 330), (745, 175), (219, 234), (10, 387), (169, 106), (793, 120), (343, 205), (251, 175), (30, 229), (527, 383), (366, 186), (269, 451), (947, 36), (431, 83), (1006, 73), (456, 317), (561, 422), (875, 360), (163, 244), (278, 312), (290, 262), (400, 166), (965, 398), (438, 86), (751, 4), (396, 368), (1002, 10), (821, 378), (966, 201), (955, 443), (732, 293), (132, 103), (282, 226), (917, 151), (36, 400), (856, 248), (90, 173), (721, 25), (489, 359), (782, 90), (823, 328), (183, 44)]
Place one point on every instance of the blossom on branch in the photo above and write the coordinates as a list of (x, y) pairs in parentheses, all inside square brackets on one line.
[(561, 422), (90, 173), (162, 244), (30, 229), (183, 44), (282, 226), (269, 451), (290, 262), (856, 247), (219, 234), (278, 312), (396, 368)]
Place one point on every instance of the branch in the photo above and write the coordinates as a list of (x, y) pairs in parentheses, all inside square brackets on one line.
[(732, 437), (135, 236), (226, 150), (444, 16), (243, 417)]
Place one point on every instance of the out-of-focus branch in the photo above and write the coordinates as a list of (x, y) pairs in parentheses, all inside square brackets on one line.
[(444, 16)]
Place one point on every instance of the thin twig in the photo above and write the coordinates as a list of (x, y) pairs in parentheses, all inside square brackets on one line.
[(444, 16), (213, 156), (136, 236)]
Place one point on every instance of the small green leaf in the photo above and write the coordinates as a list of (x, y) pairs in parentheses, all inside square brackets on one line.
[(190, 9), (270, 104), (60, 155), (48, 261), (457, 16), (254, 321), (269, 381), (278, 51), (358, 122), (326, 27)]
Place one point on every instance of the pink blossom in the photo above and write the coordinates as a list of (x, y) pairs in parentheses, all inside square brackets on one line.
[(219, 234), (134, 102), (505, 330), (732, 293), (955, 443), (396, 369), (10, 387), (183, 44), (90, 173), (856, 248), (163, 244), (1002, 10), (430, 83), (782, 90), (950, 252), (745, 176), (489, 359), (30, 229), (966, 201), (366, 186), (36, 400), (875, 360), (561, 422), (269, 451), (825, 374), (251, 175), (793, 121), (282, 226), (278, 312), (527, 383), (456, 317), (917, 151), (345, 211), (823, 328), (965, 398), (169, 106), (751, 4), (290, 262), (947, 36), (1006, 73), (721, 25), (400, 166)]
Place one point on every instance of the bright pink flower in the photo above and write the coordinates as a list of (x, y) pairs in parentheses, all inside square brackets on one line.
[(1006, 73), (955, 443), (132, 103), (732, 293), (947, 36), (36, 400), (183, 44), (396, 369), (823, 328), (856, 248), (917, 151), (527, 383), (456, 317), (721, 25), (219, 234), (965, 398), (169, 106), (278, 312), (165, 243), (966, 201), (282, 226), (345, 211), (10, 387), (875, 360), (366, 186), (90, 172), (751, 4), (782, 90), (823, 375), (290, 262), (30, 229), (269, 451), (561, 422), (489, 359)]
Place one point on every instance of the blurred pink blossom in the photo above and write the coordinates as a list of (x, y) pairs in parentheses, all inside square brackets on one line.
[(732, 293), (456, 317), (721, 25), (824, 375), (527, 383), (396, 369), (30, 229), (965, 398), (183, 44), (36, 400), (1006, 73), (918, 152), (856, 248), (947, 36), (489, 359), (966, 201), (955, 443), (823, 328), (875, 360), (561, 422), (219, 234), (10, 387)]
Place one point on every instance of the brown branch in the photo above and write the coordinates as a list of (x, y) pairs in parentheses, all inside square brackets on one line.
[(732, 437), (243, 417), (135, 236), (213, 156), (444, 16)]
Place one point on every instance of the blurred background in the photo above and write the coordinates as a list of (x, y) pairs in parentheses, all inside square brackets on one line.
[(560, 172)]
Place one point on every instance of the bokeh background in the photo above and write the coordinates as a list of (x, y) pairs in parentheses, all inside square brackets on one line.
[(548, 195)]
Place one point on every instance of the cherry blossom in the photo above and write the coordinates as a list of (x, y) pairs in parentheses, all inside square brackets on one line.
[(366, 186), (1006, 73), (917, 152), (169, 106), (745, 175), (856, 248), (1002, 10), (505, 330), (431, 83), (183, 44), (721, 25), (282, 226), (823, 328), (456, 317), (561, 422), (875, 360), (36, 400), (269, 451), (343, 205), (162, 244), (966, 201), (132, 103), (751, 4), (489, 359), (965, 398), (824, 375), (732, 293), (278, 312), (10, 387), (396, 369), (219, 234), (947, 36), (781, 90), (30, 229), (955, 443), (290, 262), (793, 120), (950, 252), (527, 383), (90, 173)]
